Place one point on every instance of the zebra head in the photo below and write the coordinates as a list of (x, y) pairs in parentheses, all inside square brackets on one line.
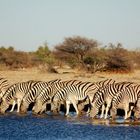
[(93, 112), (23, 107), (4, 106), (137, 112), (43, 109), (55, 104), (96, 103), (38, 106), (113, 112)]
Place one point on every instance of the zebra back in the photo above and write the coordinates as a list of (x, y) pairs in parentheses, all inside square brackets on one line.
[(109, 91), (130, 93), (18, 88), (98, 85), (105, 82), (37, 89), (79, 91), (48, 92)]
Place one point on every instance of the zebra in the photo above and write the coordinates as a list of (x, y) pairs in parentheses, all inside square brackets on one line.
[(32, 94), (70, 94), (104, 96), (4, 84), (48, 93), (14, 94), (94, 88), (74, 93), (127, 99)]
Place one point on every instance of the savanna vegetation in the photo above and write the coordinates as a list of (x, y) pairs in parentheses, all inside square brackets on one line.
[(76, 52)]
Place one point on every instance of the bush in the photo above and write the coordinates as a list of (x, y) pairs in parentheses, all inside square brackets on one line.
[(77, 52), (118, 59), (14, 59)]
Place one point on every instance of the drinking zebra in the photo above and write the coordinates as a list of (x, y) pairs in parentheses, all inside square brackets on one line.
[(127, 99), (33, 93), (94, 89), (48, 93), (104, 96), (74, 93), (14, 94)]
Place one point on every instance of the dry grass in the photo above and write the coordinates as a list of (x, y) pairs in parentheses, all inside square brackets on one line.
[(34, 74)]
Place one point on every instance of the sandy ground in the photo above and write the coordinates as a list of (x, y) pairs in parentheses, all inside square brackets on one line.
[(35, 74)]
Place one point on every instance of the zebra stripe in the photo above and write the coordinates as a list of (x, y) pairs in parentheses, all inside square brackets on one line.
[(4, 84), (46, 94), (34, 92), (70, 94), (92, 89), (127, 99), (104, 96), (15, 93), (74, 93)]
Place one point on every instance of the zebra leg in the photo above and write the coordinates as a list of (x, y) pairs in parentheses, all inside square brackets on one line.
[(13, 106), (113, 112), (107, 109), (126, 111), (129, 112), (67, 107), (75, 106), (59, 107), (88, 111), (18, 105), (102, 113)]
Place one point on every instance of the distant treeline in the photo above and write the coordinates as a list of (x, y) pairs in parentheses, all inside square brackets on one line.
[(76, 52)]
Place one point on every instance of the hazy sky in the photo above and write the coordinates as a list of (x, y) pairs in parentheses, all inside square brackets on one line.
[(26, 24)]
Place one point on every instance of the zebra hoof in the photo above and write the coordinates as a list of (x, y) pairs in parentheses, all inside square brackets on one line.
[(101, 117), (67, 115)]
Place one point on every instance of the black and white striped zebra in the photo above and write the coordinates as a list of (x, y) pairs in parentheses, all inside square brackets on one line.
[(99, 85), (14, 94), (74, 93), (69, 94), (104, 96), (48, 93), (91, 92), (33, 93), (127, 99)]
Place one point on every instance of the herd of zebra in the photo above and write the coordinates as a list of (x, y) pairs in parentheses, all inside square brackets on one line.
[(103, 97)]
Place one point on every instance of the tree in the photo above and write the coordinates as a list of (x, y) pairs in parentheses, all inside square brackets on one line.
[(43, 52), (118, 59), (96, 60), (74, 49), (45, 58)]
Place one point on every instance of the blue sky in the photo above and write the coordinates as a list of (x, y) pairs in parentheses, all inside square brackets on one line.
[(26, 24)]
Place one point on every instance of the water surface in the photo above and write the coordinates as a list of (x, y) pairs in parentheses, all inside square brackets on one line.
[(50, 127)]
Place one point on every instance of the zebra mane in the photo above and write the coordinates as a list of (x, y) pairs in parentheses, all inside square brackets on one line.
[(54, 81)]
